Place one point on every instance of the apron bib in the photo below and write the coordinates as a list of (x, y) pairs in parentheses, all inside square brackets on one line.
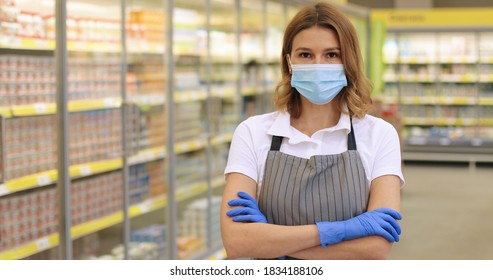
[(299, 191)]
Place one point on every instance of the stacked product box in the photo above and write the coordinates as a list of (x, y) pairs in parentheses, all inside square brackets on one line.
[(146, 26), (94, 136), (94, 76), (138, 183), (96, 196), (153, 234), (195, 222), (30, 215), (219, 159), (147, 243), (146, 76), (133, 128), (156, 126), (189, 121), (85, 29), (190, 168), (26, 79), (157, 178), (30, 146)]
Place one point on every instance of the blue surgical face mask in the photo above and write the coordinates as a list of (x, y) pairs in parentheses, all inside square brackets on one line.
[(319, 83)]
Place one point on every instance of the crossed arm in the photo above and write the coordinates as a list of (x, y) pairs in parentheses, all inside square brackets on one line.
[(261, 240)]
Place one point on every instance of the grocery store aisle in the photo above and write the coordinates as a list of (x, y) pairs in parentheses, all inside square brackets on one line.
[(447, 213)]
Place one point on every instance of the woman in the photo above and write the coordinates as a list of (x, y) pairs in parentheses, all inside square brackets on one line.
[(327, 176)]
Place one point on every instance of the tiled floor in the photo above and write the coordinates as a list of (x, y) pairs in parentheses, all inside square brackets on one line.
[(447, 213)]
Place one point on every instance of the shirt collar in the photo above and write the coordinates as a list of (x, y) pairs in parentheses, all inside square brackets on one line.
[(282, 127)]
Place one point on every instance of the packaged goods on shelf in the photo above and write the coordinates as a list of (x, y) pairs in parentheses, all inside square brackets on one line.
[(26, 79), (148, 243), (30, 146), (157, 178), (94, 76), (194, 221), (95, 135), (153, 234), (189, 122), (145, 129), (219, 159), (146, 76), (187, 39), (28, 216), (190, 168), (96, 197), (189, 245), (138, 183), (187, 80), (146, 26)]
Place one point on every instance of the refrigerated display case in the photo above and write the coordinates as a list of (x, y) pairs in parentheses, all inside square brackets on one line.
[(154, 90)]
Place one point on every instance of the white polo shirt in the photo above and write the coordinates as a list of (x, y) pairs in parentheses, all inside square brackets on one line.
[(377, 142)]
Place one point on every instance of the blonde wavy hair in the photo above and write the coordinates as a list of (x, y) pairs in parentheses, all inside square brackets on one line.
[(357, 93)]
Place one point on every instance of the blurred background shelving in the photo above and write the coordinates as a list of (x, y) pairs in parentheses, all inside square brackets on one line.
[(224, 67), (438, 75)]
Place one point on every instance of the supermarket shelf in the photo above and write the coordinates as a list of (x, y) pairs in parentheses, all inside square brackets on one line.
[(219, 255), (448, 156), (440, 121), (221, 139), (89, 169), (27, 44), (189, 95), (433, 100), (39, 109), (50, 177), (6, 112), (249, 91), (190, 146), (148, 155), (83, 229), (144, 103), (485, 101), (486, 121), (473, 143), (142, 47), (49, 45)]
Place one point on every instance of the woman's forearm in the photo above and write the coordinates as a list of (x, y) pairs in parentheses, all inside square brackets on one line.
[(367, 248), (259, 240)]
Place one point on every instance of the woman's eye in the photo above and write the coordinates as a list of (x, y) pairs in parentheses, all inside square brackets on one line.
[(305, 55), (333, 55)]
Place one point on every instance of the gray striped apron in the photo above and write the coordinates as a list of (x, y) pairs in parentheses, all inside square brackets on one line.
[(299, 191)]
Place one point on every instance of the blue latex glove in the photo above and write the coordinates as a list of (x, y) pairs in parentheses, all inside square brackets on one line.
[(249, 212), (380, 221)]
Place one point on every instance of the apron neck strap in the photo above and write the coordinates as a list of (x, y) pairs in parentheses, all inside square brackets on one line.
[(275, 145), (351, 141)]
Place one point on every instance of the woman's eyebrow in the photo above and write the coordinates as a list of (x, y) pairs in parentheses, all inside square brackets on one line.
[(308, 49)]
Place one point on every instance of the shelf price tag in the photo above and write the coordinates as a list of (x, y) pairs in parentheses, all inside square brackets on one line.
[(85, 170), (44, 180), (3, 189), (110, 102), (40, 108), (43, 243), (145, 207)]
